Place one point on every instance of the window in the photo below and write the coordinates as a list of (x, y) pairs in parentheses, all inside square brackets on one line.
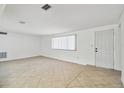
[(65, 43)]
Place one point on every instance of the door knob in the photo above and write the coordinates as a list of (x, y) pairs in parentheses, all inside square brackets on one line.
[(96, 50)]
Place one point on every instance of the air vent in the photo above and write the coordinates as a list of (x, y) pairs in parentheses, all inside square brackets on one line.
[(3, 54), (22, 22), (46, 7), (3, 33)]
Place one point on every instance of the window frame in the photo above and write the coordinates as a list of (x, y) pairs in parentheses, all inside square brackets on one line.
[(66, 36)]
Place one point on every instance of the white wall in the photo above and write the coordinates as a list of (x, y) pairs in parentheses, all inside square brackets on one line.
[(122, 46), (85, 47), (2, 7), (19, 45), (22, 46), (83, 55)]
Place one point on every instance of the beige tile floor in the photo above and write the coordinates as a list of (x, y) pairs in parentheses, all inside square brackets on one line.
[(42, 72)]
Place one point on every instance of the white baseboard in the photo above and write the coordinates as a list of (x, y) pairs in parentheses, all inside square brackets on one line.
[(67, 60), (13, 59)]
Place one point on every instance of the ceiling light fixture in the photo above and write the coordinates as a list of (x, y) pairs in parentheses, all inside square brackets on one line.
[(22, 22)]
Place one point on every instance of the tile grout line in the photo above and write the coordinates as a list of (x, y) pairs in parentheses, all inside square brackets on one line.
[(66, 86)]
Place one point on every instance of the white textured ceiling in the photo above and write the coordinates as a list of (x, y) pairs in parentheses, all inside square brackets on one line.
[(60, 18)]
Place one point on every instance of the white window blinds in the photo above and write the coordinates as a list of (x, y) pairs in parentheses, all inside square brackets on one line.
[(65, 43)]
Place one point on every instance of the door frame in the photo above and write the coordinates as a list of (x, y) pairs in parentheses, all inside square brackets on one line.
[(113, 67)]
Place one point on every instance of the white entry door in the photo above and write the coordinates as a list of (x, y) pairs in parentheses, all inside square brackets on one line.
[(104, 43)]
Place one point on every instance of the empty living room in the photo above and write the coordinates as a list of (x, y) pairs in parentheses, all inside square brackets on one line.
[(61, 45)]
